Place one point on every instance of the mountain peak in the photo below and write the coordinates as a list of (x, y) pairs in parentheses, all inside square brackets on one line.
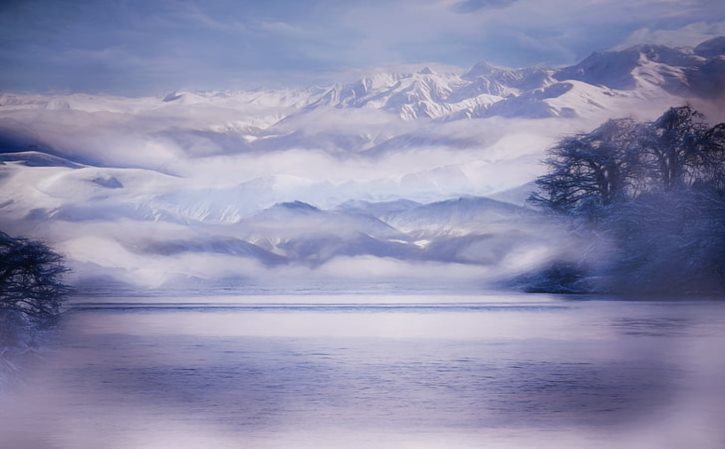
[(296, 205), (711, 48), (482, 68), (615, 68), (173, 96)]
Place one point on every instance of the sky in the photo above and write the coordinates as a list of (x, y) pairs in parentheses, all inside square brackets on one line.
[(133, 47)]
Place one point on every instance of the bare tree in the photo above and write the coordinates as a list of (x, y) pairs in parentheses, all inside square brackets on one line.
[(673, 145), (711, 159), (654, 193), (31, 279), (597, 168)]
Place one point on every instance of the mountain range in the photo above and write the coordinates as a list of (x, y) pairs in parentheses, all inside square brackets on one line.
[(418, 174)]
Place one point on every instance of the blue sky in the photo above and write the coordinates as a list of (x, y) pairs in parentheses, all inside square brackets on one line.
[(154, 46)]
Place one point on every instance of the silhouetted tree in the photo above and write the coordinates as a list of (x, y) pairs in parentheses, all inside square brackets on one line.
[(711, 159), (673, 145), (30, 279), (653, 193), (593, 169), (622, 159)]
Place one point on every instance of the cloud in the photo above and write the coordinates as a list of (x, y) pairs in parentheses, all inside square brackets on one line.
[(687, 36), (157, 46), (301, 158)]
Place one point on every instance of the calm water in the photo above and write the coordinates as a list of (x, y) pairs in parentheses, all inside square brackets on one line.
[(375, 372)]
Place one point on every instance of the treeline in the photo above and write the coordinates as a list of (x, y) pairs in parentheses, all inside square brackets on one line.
[(649, 201)]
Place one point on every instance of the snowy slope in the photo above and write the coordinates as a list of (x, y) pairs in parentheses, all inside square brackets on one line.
[(646, 67)]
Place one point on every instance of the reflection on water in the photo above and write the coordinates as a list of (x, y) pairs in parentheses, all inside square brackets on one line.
[(417, 372)]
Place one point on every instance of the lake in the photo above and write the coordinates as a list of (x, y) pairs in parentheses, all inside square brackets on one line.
[(359, 371)]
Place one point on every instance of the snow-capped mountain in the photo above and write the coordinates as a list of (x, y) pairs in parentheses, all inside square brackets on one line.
[(425, 93), (485, 90)]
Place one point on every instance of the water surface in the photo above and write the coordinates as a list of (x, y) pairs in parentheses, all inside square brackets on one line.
[(374, 372)]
